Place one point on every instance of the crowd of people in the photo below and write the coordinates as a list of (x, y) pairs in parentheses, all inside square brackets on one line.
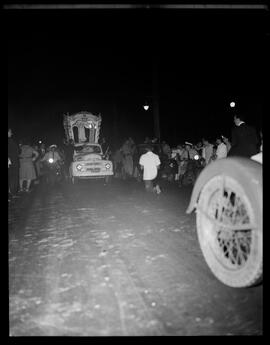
[(149, 161), (127, 158), (152, 160), (27, 163)]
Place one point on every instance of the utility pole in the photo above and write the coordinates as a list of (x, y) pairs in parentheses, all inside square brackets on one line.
[(155, 97)]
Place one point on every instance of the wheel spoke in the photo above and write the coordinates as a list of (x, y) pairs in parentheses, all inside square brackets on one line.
[(231, 253), (235, 249), (221, 200), (225, 227), (239, 255)]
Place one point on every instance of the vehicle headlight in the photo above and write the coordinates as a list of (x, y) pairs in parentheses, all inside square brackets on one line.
[(107, 165), (79, 167), (50, 160)]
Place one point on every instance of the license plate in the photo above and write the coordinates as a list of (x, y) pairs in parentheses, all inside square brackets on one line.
[(94, 170)]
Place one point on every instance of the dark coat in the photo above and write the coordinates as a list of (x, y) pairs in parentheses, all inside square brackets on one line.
[(244, 141), (13, 152), (68, 151)]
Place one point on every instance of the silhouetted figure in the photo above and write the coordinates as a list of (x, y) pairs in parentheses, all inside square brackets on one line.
[(68, 154), (13, 170), (27, 170), (244, 138)]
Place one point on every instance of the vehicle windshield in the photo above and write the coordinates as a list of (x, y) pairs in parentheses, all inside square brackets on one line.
[(88, 149)]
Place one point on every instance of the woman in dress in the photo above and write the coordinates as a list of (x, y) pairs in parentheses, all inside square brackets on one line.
[(27, 168)]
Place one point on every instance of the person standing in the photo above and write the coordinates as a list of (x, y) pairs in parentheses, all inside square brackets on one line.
[(150, 163), (52, 153), (227, 143), (190, 152), (117, 163), (207, 151), (244, 138), (199, 148), (13, 170), (166, 150), (105, 148), (221, 149), (127, 159), (36, 165), (68, 157), (27, 169), (41, 152), (133, 150)]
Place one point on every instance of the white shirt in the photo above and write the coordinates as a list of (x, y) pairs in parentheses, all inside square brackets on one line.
[(150, 161), (221, 151), (207, 152)]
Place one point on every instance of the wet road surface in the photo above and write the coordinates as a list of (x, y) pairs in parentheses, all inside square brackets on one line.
[(94, 260)]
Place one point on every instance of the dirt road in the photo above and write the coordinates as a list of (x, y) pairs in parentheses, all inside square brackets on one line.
[(92, 260)]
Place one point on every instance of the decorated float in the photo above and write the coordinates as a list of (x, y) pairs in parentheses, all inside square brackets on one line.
[(88, 160)]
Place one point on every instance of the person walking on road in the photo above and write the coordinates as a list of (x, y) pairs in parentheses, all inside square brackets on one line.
[(27, 169), (13, 165), (150, 164)]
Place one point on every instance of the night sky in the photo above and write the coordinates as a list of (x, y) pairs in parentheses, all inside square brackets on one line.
[(101, 61)]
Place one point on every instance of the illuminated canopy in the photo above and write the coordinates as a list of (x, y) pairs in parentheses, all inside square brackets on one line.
[(82, 127)]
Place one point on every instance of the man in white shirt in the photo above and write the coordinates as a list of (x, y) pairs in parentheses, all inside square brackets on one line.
[(207, 151), (53, 154), (221, 149), (150, 164)]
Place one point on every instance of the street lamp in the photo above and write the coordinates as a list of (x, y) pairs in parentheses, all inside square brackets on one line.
[(154, 99), (232, 104), (146, 106)]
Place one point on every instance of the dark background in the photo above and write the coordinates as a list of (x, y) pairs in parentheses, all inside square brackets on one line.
[(101, 61)]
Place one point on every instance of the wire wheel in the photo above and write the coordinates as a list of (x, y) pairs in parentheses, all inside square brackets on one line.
[(229, 231)]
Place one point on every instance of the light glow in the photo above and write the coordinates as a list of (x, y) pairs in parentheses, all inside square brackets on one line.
[(146, 107)]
